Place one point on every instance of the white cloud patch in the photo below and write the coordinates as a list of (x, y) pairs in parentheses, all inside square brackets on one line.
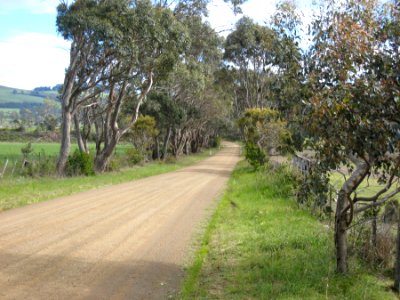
[(34, 6), (222, 18), (30, 60)]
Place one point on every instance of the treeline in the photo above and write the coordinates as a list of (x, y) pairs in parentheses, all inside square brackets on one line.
[(131, 59)]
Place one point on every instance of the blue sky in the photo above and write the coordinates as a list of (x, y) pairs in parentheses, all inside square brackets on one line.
[(32, 54)]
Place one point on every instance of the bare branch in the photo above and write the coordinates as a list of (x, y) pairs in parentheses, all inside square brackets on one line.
[(378, 203)]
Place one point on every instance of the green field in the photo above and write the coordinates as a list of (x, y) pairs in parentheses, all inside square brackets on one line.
[(12, 151), (22, 96), (9, 110), (367, 188), (260, 245)]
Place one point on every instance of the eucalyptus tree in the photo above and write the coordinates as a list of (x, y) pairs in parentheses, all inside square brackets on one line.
[(354, 109), (196, 7), (250, 50), (131, 45), (183, 97), (288, 86), (86, 24)]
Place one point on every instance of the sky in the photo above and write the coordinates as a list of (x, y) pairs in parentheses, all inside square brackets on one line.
[(32, 54)]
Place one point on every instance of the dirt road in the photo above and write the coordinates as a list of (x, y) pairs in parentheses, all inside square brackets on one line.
[(128, 241)]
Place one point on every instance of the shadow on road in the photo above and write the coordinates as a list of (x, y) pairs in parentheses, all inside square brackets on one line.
[(33, 277)]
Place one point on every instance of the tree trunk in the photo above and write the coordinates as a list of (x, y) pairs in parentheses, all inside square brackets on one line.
[(67, 100), (397, 264), (103, 158), (344, 213), (166, 142), (341, 234), (195, 145), (156, 149), (65, 142), (374, 229), (79, 139)]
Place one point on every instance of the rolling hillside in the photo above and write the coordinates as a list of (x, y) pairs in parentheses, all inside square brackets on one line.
[(12, 98)]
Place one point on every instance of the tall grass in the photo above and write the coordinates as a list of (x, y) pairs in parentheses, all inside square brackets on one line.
[(261, 245), (12, 150), (20, 191)]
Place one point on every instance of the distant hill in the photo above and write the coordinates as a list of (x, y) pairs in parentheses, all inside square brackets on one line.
[(13, 98)]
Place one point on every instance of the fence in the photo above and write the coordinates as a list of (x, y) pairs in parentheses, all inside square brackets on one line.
[(40, 164)]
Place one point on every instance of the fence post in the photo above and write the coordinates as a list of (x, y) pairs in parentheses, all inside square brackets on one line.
[(4, 169), (12, 172)]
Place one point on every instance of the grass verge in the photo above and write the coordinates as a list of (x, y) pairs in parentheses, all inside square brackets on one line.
[(260, 245), (12, 150), (16, 192)]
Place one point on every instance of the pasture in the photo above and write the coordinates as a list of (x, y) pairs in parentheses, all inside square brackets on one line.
[(7, 95), (12, 151)]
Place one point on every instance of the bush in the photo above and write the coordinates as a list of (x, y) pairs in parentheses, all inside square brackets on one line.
[(80, 164), (26, 150), (115, 164), (255, 155), (170, 159), (285, 181), (314, 191), (40, 166), (134, 156), (216, 142)]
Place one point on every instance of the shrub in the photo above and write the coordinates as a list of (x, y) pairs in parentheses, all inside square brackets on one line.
[(134, 156), (40, 166), (170, 159), (216, 142), (255, 155), (286, 181), (115, 164), (27, 150), (80, 163)]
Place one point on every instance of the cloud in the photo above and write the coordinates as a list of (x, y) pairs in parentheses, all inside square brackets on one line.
[(33, 6), (29, 60), (222, 18)]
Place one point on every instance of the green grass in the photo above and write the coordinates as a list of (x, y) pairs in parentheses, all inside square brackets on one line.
[(260, 245), (22, 96), (367, 188), (9, 110), (18, 192), (12, 151)]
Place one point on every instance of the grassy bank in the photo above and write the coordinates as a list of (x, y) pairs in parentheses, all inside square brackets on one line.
[(260, 245), (12, 150), (21, 191)]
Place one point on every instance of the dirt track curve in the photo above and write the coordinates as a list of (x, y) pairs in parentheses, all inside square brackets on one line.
[(126, 241)]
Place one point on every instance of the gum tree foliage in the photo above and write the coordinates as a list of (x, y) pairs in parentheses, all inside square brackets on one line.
[(263, 131), (142, 134), (264, 63), (187, 104), (192, 88), (196, 7), (249, 48), (119, 49), (288, 87), (355, 104)]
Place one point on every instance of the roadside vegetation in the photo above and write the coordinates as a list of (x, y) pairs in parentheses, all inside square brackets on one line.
[(12, 150), (261, 245), (20, 191)]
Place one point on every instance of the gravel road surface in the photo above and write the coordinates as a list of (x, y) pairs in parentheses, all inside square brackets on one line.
[(127, 241)]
